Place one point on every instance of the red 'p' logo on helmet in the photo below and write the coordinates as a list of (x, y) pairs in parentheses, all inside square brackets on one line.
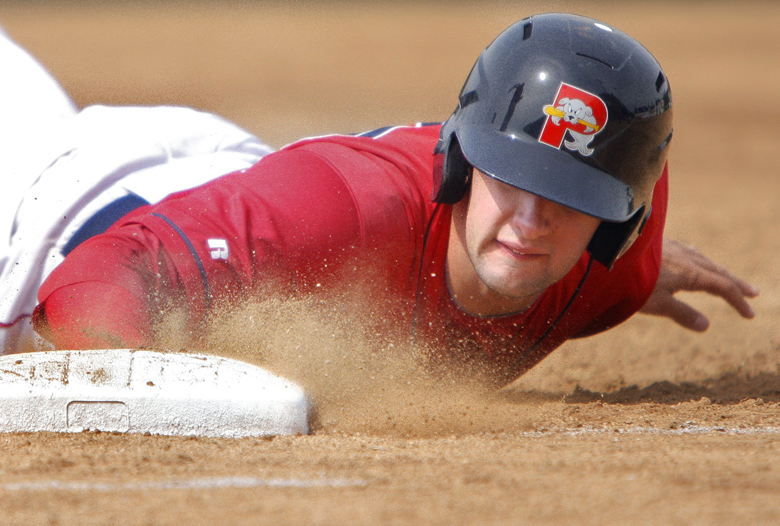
[(578, 112)]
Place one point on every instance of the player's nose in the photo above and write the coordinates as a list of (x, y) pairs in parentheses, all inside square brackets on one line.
[(532, 217)]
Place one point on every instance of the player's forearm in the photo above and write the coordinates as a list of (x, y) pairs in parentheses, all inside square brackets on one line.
[(107, 293), (93, 315)]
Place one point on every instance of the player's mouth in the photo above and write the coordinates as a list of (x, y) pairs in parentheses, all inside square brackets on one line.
[(520, 251)]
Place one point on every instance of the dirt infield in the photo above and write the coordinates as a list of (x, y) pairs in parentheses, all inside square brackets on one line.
[(648, 424)]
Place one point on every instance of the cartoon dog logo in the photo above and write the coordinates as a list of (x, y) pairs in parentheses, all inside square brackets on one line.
[(577, 112)]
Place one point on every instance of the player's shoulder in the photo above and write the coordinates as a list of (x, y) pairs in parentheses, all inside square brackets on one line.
[(412, 140), (386, 164)]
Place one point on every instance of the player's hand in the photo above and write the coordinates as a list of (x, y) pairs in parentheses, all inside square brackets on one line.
[(685, 268)]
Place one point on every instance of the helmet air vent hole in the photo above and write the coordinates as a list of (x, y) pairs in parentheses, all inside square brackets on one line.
[(468, 98), (659, 82), (527, 31)]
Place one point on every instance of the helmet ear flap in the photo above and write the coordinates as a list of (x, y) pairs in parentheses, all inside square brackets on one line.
[(612, 239), (451, 174)]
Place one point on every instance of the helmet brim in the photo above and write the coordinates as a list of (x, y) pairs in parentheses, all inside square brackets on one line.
[(546, 172)]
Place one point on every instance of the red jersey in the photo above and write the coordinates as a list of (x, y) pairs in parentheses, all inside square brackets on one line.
[(322, 215)]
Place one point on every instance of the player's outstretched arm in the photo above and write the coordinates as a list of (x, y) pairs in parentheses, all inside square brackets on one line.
[(685, 268), (104, 295), (93, 315)]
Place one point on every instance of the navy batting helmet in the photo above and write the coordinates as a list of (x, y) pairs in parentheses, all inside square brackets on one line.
[(572, 110)]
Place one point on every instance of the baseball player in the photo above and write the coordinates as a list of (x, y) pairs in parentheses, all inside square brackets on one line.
[(534, 214), (68, 173)]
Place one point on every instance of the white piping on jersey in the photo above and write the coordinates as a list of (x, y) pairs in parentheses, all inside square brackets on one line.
[(392, 129)]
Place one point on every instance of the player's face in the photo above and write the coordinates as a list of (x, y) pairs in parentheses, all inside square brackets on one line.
[(507, 246)]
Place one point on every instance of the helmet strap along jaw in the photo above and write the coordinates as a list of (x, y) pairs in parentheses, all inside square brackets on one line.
[(455, 174), (610, 239)]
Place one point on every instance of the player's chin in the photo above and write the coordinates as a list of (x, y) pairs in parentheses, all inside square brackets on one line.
[(516, 282), (510, 267)]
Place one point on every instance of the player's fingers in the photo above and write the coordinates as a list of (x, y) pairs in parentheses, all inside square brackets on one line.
[(745, 288), (685, 315), (751, 291), (662, 303), (705, 263), (727, 288)]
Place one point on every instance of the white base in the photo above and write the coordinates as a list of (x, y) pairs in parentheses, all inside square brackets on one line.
[(159, 393)]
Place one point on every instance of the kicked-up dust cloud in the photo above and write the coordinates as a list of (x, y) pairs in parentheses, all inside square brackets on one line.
[(360, 380)]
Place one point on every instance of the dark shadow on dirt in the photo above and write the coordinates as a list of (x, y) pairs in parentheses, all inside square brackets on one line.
[(728, 389)]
